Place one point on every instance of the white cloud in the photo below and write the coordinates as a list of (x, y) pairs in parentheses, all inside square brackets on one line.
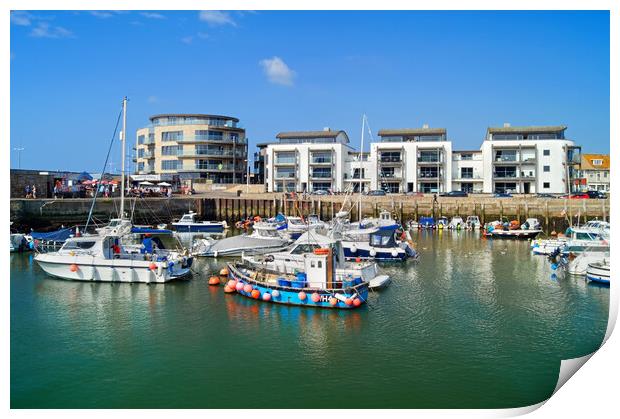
[(21, 18), (216, 17), (45, 30), (277, 71), (152, 15), (101, 14)]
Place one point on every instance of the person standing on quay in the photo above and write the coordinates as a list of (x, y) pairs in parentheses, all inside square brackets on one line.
[(34, 192)]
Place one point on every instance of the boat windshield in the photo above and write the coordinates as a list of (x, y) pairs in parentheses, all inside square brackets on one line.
[(78, 245), (162, 241), (300, 249), (382, 239)]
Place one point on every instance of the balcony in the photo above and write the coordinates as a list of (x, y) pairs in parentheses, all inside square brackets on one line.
[(321, 160), (285, 161), (212, 153), (211, 139), (429, 175), (321, 175), (390, 176), (512, 176)]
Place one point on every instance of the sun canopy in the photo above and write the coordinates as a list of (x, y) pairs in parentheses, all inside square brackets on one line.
[(164, 184), (147, 183), (57, 236)]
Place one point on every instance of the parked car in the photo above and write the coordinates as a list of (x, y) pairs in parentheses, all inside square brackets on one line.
[(545, 195), (414, 194), (377, 192), (320, 192), (577, 195), (596, 194), (502, 195), (454, 194)]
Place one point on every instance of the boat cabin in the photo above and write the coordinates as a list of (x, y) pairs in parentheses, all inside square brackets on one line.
[(383, 238)]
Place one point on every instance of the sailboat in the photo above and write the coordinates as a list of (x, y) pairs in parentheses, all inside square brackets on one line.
[(112, 255)]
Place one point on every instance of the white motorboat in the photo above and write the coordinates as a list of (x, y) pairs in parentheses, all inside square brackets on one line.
[(456, 223), (292, 260), (578, 265), (586, 237), (531, 224), (598, 272), (188, 224), (473, 222), (547, 246), (296, 226), (107, 258), (264, 238)]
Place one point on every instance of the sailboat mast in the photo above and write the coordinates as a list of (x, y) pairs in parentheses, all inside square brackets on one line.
[(359, 201), (123, 136)]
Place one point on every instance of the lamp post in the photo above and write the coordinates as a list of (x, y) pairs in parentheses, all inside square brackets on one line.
[(19, 156)]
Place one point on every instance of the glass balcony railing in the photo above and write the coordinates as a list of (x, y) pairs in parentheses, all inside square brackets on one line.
[(164, 122), (321, 160), (198, 138), (211, 166), (285, 160), (324, 175)]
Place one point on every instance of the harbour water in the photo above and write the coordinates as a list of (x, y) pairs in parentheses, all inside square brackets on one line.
[(472, 324)]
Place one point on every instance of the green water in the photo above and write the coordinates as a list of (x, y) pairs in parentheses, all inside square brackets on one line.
[(473, 324)]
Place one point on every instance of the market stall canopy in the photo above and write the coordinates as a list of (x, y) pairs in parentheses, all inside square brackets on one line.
[(146, 182), (84, 176), (164, 184)]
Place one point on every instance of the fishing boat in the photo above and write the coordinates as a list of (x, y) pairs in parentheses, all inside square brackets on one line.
[(442, 222), (108, 256), (427, 222), (188, 224), (598, 272), (292, 260), (514, 234), (384, 221), (318, 285), (265, 237), (472, 222), (456, 223)]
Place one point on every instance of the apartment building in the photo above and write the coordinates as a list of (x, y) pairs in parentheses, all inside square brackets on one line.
[(307, 161), (192, 146), (412, 160), (467, 171), (531, 159), (594, 173)]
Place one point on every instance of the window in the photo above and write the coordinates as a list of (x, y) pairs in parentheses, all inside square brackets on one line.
[(467, 156), (429, 172), (390, 156), (322, 157), (209, 135), (604, 174), (78, 245), (285, 158), (171, 150), (140, 166), (285, 172), (172, 135), (546, 152), (151, 138), (506, 155), (140, 139), (546, 168), (467, 172), (546, 185), (322, 172), (597, 162), (169, 164)]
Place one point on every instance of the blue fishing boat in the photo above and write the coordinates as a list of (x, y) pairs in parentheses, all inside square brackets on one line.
[(319, 285), (426, 222), (188, 224)]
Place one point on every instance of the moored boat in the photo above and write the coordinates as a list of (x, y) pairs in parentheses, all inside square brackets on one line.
[(188, 224), (598, 272)]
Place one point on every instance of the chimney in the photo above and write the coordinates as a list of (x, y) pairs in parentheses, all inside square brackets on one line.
[(425, 126), (326, 129), (506, 124)]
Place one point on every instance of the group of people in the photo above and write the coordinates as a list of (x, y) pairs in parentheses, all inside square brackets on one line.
[(31, 191), (145, 192)]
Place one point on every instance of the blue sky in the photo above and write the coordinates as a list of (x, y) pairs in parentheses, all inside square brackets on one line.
[(281, 71)]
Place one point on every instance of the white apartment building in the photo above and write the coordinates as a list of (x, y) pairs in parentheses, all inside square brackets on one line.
[(524, 160), (412, 160), (533, 159), (307, 161)]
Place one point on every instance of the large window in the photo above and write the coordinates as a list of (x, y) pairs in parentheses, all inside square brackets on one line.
[(467, 156), (322, 172), (507, 187), (140, 139), (467, 172), (429, 172), (284, 158), (505, 171), (169, 164), (506, 155), (391, 187), (321, 186), (390, 156), (429, 156), (285, 172), (171, 150), (172, 135), (204, 134), (322, 157), (356, 173), (387, 172)]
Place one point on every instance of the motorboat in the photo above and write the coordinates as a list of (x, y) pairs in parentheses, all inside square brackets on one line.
[(377, 243), (531, 224), (598, 272), (472, 222), (319, 285), (109, 258), (547, 246), (413, 225), (188, 224), (20, 242), (384, 221), (578, 264), (442, 223), (512, 230), (298, 225), (265, 237), (456, 223), (427, 222), (582, 238), (293, 260)]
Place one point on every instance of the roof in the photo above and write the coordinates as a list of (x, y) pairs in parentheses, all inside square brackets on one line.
[(192, 115), (311, 134), (528, 129), (586, 161), (412, 131)]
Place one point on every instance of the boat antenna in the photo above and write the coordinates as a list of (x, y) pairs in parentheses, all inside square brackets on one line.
[(123, 137), (359, 200), (105, 164)]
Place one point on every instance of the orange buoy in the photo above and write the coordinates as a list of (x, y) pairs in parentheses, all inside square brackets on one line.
[(357, 302), (247, 288), (255, 294), (333, 301), (358, 259), (315, 297), (152, 266), (348, 302), (224, 272), (266, 296), (73, 267), (239, 286), (228, 289), (321, 251), (302, 296), (214, 280), (231, 284)]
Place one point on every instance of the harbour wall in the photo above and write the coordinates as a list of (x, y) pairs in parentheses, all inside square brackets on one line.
[(554, 214)]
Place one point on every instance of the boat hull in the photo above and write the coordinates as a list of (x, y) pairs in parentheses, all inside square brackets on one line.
[(598, 273), (117, 270), (199, 228), (365, 253), (515, 234), (290, 296)]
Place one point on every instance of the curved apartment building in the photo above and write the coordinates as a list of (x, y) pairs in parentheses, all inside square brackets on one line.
[(193, 146)]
